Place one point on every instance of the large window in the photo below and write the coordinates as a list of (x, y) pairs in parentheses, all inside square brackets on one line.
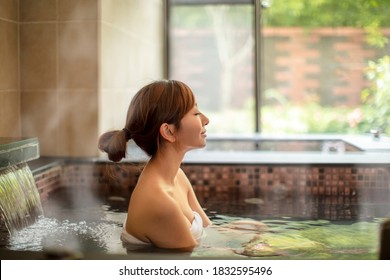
[(280, 66)]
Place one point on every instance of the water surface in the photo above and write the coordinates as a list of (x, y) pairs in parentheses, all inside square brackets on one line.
[(85, 225)]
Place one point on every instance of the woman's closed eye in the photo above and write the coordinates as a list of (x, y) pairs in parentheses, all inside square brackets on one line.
[(198, 114)]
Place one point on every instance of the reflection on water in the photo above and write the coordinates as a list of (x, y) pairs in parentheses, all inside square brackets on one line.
[(294, 239)]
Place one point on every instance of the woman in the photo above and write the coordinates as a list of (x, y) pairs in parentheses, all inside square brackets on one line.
[(163, 119)]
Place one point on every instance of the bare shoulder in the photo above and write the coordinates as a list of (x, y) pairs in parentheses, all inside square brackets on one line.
[(184, 181), (148, 207), (181, 173), (156, 216), (150, 198), (163, 222), (169, 228)]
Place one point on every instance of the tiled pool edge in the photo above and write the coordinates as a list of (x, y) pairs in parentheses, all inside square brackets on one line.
[(344, 191)]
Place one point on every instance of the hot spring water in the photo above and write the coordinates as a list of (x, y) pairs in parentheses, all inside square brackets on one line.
[(89, 229), (20, 203)]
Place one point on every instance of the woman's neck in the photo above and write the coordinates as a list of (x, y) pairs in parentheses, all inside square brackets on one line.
[(167, 163)]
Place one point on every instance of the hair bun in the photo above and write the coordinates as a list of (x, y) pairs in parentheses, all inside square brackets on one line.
[(127, 133)]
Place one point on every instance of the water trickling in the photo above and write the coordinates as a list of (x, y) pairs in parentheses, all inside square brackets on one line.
[(20, 203)]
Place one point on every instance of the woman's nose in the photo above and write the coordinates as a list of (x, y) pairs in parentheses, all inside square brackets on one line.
[(205, 120)]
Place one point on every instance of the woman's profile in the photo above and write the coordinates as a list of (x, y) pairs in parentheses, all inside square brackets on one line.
[(164, 121)]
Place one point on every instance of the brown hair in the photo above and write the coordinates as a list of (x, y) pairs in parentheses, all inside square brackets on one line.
[(165, 101)]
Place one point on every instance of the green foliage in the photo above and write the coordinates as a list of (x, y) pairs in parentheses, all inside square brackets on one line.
[(370, 15), (376, 98), (317, 13), (374, 36)]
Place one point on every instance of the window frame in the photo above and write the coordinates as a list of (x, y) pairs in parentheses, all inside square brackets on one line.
[(257, 35)]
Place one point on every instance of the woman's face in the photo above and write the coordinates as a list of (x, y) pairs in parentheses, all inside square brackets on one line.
[(192, 132)]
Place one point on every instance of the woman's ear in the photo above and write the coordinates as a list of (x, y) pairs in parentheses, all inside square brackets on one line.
[(167, 132)]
